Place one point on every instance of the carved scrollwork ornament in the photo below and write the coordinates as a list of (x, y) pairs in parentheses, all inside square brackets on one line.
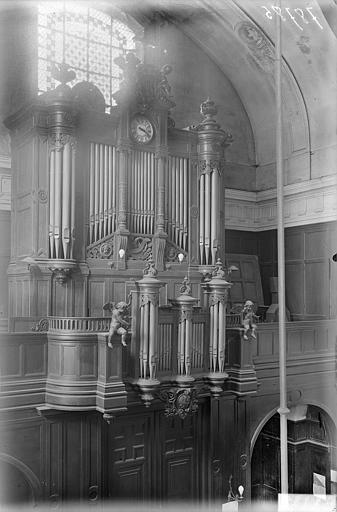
[(243, 461), (41, 326), (102, 249), (42, 195), (180, 402), (140, 248)]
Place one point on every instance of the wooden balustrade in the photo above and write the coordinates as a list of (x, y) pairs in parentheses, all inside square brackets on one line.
[(79, 324)]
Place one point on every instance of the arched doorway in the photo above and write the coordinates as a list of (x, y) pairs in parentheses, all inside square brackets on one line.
[(311, 455), (19, 485)]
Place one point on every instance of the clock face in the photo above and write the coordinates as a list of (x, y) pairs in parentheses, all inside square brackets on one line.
[(141, 129)]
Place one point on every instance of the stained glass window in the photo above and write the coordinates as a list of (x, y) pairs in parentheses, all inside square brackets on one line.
[(86, 39)]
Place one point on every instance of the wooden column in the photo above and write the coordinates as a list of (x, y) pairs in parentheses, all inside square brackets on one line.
[(148, 316), (211, 143)]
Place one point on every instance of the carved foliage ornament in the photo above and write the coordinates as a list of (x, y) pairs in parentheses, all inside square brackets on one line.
[(180, 402), (185, 314), (215, 298), (147, 298), (208, 166), (172, 251), (57, 141), (140, 248), (41, 326)]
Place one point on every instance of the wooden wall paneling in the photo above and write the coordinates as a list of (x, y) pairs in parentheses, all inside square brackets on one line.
[(316, 242), (98, 295), (333, 287), (117, 291), (79, 296), (61, 298), (42, 196), (316, 288), (43, 297), (179, 462), (35, 359), (74, 454), (294, 244), (24, 228), (94, 490), (11, 361), (129, 472), (294, 278), (246, 280)]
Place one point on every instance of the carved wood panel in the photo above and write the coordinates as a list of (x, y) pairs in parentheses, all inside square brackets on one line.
[(129, 458)]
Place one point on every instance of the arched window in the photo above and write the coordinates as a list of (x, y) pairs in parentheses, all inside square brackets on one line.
[(87, 40)]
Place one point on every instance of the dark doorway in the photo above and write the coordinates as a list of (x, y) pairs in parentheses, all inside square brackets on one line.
[(311, 455)]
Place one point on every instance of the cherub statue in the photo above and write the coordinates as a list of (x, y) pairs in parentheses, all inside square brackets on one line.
[(249, 318), (119, 320)]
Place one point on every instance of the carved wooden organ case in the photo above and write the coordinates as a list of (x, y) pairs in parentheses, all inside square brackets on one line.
[(96, 194)]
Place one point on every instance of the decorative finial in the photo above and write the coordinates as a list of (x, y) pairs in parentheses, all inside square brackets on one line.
[(150, 269), (62, 73), (219, 271), (208, 109), (185, 288)]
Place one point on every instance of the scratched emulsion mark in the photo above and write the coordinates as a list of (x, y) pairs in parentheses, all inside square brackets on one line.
[(296, 15), (303, 45)]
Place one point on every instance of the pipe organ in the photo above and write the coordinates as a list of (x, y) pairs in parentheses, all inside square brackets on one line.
[(124, 187)]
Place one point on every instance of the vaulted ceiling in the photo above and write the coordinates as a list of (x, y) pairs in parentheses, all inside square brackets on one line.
[(239, 35)]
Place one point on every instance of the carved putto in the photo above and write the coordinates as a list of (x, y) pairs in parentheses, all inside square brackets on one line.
[(248, 320), (143, 83), (120, 320)]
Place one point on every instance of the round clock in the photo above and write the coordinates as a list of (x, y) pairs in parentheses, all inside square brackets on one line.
[(141, 129)]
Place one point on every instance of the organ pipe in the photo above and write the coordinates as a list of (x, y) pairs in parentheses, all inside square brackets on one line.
[(52, 203), (62, 195), (102, 193), (66, 191)]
